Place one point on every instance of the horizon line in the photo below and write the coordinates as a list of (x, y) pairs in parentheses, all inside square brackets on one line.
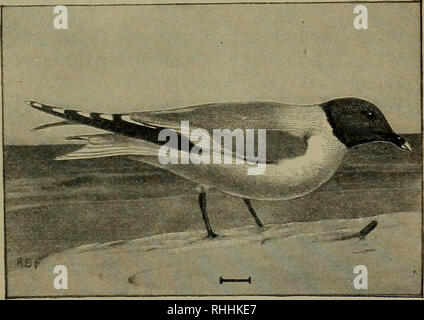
[(77, 143)]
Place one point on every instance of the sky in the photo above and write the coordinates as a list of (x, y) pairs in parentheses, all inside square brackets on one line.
[(132, 58)]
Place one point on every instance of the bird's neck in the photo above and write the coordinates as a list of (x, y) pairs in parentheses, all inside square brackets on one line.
[(305, 121), (324, 150)]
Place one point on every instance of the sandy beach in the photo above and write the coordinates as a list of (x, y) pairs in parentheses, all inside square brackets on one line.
[(284, 259)]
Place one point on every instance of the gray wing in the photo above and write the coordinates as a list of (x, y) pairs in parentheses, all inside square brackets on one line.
[(249, 115), (147, 125), (243, 115)]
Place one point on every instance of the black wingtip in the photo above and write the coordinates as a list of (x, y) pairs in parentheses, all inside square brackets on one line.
[(36, 105), (32, 104), (56, 111)]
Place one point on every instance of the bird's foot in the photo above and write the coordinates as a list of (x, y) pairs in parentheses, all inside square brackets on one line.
[(212, 235)]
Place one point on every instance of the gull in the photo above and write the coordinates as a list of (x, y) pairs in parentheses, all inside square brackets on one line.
[(305, 144)]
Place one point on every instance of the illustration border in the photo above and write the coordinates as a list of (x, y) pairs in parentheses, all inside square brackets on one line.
[(363, 296)]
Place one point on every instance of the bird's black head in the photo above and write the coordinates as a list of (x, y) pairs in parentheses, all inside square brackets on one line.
[(355, 121)]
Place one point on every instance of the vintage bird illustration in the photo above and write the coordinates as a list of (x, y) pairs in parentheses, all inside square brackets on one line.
[(305, 144)]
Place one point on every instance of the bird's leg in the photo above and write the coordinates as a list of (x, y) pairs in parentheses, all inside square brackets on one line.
[(202, 204), (253, 212)]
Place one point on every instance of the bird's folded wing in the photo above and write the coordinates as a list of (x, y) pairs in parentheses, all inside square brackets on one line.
[(234, 115), (147, 125), (238, 115)]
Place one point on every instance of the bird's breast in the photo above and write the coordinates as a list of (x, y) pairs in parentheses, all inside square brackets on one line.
[(294, 177)]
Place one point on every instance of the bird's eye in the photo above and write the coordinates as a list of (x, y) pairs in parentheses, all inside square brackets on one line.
[(370, 115)]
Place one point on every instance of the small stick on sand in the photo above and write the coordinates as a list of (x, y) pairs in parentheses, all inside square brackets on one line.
[(361, 234)]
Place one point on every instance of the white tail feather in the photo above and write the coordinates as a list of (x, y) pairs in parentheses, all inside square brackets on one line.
[(109, 145)]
